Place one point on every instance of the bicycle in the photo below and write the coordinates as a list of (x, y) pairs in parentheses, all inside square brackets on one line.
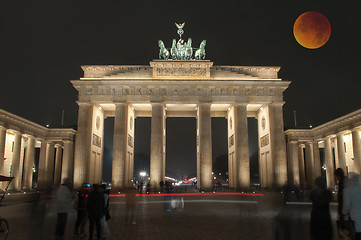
[(4, 225)]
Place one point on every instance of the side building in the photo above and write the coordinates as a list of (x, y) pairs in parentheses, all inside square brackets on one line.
[(36, 156), (319, 151)]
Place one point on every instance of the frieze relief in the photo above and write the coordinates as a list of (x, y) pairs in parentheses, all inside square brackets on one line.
[(181, 91), (162, 72)]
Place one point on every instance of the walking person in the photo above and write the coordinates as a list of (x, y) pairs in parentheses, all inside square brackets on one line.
[(103, 222), (130, 203), (352, 202), (64, 200), (320, 225), (95, 206), (340, 179), (80, 206)]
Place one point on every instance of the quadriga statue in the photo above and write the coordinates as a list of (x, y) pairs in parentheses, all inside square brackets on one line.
[(201, 52), (163, 52)]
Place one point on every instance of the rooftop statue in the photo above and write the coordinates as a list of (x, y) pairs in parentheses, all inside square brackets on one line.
[(180, 49), (201, 52), (163, 52)]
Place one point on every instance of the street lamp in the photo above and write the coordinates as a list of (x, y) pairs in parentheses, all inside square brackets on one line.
[(143, 174)]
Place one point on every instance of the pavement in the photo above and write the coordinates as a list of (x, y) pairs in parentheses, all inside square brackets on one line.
[(207, 217)]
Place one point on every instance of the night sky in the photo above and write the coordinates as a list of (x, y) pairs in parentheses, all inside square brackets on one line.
[(44, 43)]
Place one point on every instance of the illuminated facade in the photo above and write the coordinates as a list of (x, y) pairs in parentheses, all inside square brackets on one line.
[(340, 142), (177, 88), (27, 148)]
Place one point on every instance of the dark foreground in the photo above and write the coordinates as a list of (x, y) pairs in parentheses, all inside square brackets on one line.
[(203, 217)]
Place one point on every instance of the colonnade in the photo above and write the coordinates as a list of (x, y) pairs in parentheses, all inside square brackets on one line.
[(123, 143), (19, 141), (341, 147)]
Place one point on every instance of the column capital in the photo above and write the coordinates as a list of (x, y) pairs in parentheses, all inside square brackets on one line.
[(119, 103), (2, 127), (358, 128), (243, 104), (85, 104), (67, 141), (276, 104), (58, 145), (341, 133)]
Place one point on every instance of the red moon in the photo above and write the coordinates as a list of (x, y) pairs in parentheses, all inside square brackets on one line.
[(312, 30)]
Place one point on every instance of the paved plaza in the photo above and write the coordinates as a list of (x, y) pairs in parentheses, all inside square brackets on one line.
[(203, 217)]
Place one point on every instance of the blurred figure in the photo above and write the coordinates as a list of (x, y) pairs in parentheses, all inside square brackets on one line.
[(64, 200), (320, 225), (340, 178), (104, 225), (95, 206), (352, 202), (80, 206), (130, 204)]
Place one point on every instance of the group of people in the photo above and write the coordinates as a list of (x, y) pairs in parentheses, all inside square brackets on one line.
[(91, 205), (349, 205)]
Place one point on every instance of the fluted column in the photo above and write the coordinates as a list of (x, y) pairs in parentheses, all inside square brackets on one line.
[(15, 163), (317, 160), (301, 164), (82, 145), (309, 164), (49, 165), (293, 164), (341, 151), (2, 148), (57, 172), (68, 161), (156, 144), (329, 163), (278, 144), (29, 163), (42, 164), (119, 145), (356, 145), (241, 145), (205, 146)]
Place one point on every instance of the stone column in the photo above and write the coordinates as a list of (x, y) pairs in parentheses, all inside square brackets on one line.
[(57, 172), (156, 144), (205, 180), (49, 165), (119, 145), (2, 149), (42, 164), (309, 164), (329, 163), (293, 164), (317, 160), (82, 145), (356, 145), (15, 163), (29, 163), (341, 151), (278, 143), (68, 161), (241, 146), (301, 162)]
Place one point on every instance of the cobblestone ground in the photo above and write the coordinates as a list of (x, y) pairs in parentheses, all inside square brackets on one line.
[(203, 217)]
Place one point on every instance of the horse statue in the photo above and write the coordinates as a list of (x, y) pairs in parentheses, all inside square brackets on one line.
[(201, 52), (189, 49), (163, 52), (174, 50), (181, 46)]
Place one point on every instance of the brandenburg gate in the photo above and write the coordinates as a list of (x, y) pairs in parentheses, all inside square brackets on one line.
[(180, 85)]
